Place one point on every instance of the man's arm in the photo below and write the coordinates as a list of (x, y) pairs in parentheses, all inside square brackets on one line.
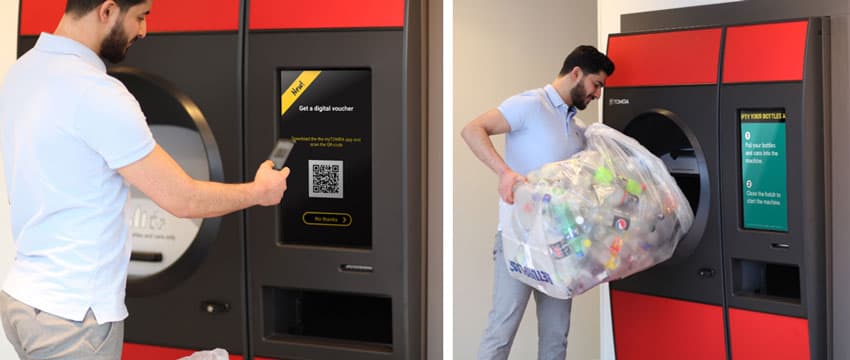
[(167, 184), (477, 134)]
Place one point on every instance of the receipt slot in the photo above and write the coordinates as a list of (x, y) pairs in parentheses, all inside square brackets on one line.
[(737, 108), (335, 270), (186, 285)]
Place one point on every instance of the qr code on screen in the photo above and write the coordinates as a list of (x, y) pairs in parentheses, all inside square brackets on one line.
[(325, 179)]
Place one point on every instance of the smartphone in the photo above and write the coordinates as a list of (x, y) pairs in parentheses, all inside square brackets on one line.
[(281, 152)]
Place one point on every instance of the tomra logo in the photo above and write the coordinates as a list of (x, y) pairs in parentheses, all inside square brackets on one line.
[(615, 101)]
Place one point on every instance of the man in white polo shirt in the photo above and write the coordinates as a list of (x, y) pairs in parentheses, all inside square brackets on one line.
[(72, 138), (540, 128)]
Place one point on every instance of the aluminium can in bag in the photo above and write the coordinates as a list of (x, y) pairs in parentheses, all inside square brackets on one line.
[(605, 213)]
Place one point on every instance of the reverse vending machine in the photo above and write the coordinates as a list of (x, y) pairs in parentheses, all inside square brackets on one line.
[(737, 114), (335, 271), (186, 285)]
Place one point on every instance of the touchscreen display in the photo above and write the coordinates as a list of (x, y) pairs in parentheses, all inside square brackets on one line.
[(763, 169), (328, 114)]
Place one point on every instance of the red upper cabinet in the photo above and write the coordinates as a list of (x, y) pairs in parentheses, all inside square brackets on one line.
[(687, 57), (325, 14), (765, 52), (166, 16)]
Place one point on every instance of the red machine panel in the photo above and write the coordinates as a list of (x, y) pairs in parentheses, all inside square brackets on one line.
[(766, 52), (38, 16), (755, 335), (194, 15), (323, 14), (689, 57), (655, 328), (166, 16)]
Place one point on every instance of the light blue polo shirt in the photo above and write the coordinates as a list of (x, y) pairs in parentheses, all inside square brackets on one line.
[(543, 130), (67, 126)]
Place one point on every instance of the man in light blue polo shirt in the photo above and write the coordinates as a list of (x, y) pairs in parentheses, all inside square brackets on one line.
[(72, 138), (540, 127)]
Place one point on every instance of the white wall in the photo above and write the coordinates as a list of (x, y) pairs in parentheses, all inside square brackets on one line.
[(8, 48), (608, 13), (502, 47)]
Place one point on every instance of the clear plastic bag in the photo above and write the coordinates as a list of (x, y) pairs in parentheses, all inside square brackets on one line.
[(605, 213)]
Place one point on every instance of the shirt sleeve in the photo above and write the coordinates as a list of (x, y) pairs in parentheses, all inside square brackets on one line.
[(112, 123), (515, 109)]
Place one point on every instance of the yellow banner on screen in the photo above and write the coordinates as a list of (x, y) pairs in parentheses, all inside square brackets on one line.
[(298, 86)]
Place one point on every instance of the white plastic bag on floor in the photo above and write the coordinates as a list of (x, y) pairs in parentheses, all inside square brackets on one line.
[(216, 354), (607, 212)]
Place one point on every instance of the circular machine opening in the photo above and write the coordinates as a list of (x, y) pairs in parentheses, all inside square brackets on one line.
[(666, 136), (168, 249)]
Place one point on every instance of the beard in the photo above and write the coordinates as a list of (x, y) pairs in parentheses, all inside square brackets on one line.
[(114, 47), (578, 94)]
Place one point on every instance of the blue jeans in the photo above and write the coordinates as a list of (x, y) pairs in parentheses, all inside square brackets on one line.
[(510, 297)]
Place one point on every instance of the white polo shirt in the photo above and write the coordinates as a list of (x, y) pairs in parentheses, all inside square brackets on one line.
[(67, 126)]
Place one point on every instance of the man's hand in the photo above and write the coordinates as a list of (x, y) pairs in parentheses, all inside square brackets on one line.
[(270, 184), (507, 181)]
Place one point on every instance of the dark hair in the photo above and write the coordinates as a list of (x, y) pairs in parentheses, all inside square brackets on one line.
[(82, 7), (590, 60)]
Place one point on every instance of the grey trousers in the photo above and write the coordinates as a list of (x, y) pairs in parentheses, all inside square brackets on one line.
[(38, 335), (510, 297)]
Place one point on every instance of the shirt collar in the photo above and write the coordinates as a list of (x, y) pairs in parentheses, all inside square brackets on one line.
[(62, 45), (558, 102)]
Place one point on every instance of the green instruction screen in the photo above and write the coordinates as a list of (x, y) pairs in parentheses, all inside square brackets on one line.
[(763, 169)]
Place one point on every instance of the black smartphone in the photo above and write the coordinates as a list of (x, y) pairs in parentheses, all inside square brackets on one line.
[(281, 152)]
